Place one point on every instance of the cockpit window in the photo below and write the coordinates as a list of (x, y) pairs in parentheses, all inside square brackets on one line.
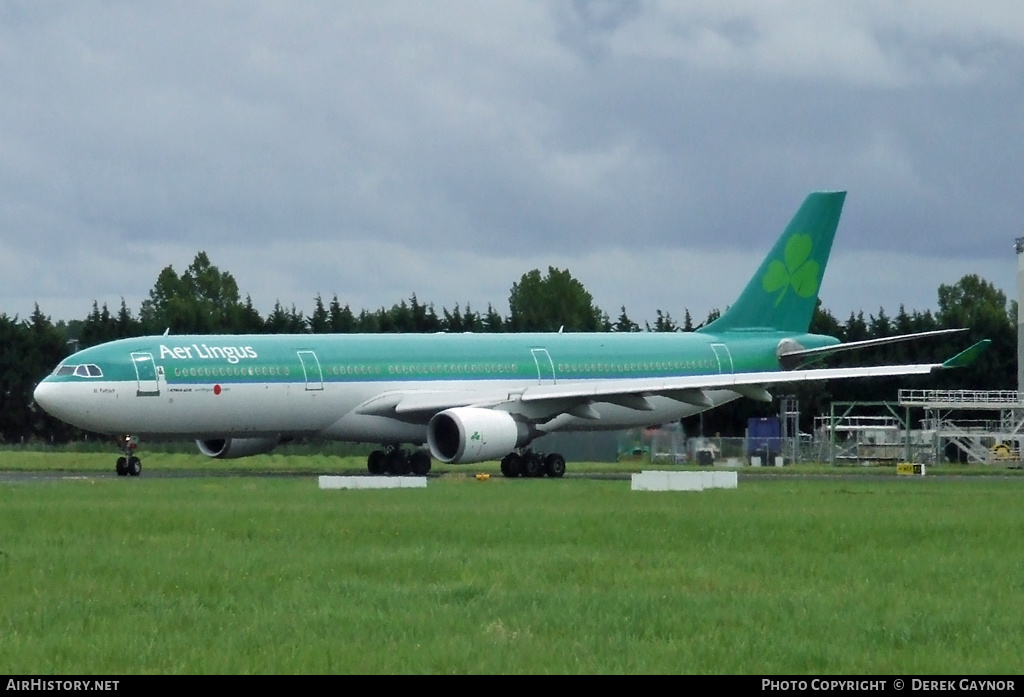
[(81, 371)]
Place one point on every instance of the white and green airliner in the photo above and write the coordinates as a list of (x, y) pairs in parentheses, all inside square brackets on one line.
[(468, 397)]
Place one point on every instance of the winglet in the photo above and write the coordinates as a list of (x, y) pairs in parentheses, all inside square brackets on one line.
[(967, 356)]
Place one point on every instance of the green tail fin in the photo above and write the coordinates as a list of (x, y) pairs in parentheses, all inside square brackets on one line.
[(783, 293)]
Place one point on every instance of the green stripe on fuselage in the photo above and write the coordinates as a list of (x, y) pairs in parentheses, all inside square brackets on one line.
[(431, 357)]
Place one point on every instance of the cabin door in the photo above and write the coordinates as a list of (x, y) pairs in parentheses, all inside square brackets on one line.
[(545, 366), (311, 369), (724, 358), (145, 373)]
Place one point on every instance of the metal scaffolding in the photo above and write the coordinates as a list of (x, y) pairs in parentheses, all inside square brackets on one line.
[(867, 438), (988, 440)]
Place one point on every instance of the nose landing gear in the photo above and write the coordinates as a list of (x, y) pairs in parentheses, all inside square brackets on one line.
[(128, 465)]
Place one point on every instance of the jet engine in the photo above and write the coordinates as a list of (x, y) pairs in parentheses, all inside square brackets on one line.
[(231, 448), (471, 434)]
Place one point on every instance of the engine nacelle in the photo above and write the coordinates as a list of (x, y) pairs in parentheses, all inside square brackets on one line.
[(471, 434), (231, 448)]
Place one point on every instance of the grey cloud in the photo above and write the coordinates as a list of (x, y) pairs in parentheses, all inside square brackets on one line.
[(133, 136)]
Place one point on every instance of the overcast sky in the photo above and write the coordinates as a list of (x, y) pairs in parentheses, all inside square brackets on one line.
[(376, 150)]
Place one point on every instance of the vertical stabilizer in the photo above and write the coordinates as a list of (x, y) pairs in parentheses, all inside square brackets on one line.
[(783, 293)]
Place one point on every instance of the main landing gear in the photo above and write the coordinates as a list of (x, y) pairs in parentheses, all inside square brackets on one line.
[(532, 464), (128, 465), (395, 460)]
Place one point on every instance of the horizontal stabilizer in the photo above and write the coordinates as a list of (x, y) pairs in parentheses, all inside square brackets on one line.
[(793, 358)]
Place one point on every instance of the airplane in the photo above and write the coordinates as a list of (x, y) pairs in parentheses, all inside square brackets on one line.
[(468, 397)]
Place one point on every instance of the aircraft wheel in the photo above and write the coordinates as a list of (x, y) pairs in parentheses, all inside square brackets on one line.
[(554, 465), (419, 463), (122, 467), (404, 465), (134, 466), (533, 466), (398, 462), (375, 462), (511, 465)]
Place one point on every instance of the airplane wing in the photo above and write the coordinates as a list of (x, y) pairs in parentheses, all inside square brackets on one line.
[(692, 389), (544, 401)]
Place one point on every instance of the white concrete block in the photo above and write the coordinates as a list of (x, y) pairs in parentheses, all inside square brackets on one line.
[(726, 480), (683, 481), (686, 481), (333, 482), (707, 480), (650, 481)]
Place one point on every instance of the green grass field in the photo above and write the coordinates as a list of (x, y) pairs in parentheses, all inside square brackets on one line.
[(327, 458), (271, 575)]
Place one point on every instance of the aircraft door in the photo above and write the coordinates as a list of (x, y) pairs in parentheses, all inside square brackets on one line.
[(724, 358), (145, 373), (545, 366), (311, 369)]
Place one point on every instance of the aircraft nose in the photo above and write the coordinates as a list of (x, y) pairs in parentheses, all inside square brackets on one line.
[(68, 402), (45, 396)]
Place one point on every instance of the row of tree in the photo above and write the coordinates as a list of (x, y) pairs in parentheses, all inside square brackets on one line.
[(204, 299)]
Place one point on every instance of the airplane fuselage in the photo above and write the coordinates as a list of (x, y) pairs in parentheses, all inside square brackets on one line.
[(334, 386)]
